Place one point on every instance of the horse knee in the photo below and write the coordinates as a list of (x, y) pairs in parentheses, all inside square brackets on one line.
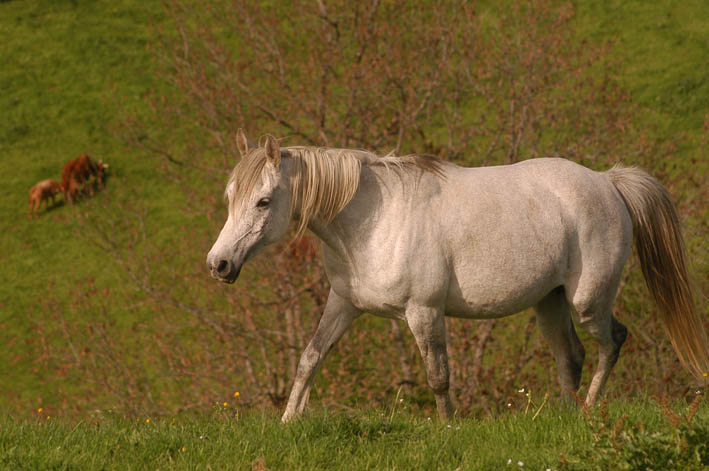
[(439, 387), (439, 381)]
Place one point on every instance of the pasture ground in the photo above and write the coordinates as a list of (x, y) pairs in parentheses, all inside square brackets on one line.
[(628, 436), (69, 69)]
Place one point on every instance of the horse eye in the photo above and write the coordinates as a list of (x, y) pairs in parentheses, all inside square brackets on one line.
[(263, 202)]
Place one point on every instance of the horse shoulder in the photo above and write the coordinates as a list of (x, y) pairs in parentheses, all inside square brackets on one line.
[(391, 248)]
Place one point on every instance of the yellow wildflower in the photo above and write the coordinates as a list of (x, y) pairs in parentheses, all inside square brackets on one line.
[(225, 404), (236, 394), (39, 411), (147, 421)]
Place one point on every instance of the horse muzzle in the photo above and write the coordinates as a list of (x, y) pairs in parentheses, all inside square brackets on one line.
[(225, 271)]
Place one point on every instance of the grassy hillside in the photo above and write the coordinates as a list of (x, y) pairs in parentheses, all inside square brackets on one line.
[(69, 70), (663, 47)]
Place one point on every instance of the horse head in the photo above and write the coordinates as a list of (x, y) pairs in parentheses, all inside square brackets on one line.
[(259, 208)]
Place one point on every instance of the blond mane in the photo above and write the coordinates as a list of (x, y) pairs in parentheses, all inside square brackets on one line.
[(323, 180)]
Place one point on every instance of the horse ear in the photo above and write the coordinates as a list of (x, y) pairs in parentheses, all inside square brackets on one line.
[(242, 143), (273, 151)]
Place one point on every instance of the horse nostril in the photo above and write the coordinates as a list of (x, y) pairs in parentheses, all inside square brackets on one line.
[(222, 265)]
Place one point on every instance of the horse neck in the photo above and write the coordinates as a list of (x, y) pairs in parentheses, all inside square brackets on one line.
[(353, 224)]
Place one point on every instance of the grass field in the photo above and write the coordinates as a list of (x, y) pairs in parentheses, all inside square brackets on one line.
[(663, 48), (553, 439), (69, 70)]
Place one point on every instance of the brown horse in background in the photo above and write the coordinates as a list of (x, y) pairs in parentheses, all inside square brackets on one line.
[(43, 191), (77, 174)]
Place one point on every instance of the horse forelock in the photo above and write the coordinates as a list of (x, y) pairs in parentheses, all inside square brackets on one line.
[(244, 178), (322, 181)]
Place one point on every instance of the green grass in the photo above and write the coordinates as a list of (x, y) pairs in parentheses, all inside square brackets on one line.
[(322, 440), (69, 69), (663, 46)]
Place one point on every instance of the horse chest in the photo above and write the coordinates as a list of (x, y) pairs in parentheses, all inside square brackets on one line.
[(374, 294)]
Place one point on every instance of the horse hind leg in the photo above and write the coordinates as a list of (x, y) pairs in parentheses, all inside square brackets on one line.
[(554, 319), (610, 336), (597, 319)]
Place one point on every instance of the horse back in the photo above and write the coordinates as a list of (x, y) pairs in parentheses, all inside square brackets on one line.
[(519, 231), (483, 242)]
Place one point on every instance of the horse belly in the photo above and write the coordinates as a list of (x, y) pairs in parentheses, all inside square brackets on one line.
[(500, 276), (486, 293), (491, 300)]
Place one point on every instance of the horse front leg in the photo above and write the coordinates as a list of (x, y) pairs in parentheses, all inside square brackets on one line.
[(337, 317), (429, 328)]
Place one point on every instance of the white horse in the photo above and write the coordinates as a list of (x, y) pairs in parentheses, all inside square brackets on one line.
[(417, 239)]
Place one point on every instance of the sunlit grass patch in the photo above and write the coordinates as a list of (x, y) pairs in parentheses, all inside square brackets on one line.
[(557, 438)]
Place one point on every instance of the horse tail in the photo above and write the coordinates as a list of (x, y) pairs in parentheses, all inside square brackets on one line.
[(660, 248)]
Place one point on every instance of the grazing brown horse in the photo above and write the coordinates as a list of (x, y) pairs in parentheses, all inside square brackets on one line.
[(43, 191), (77, 173)]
